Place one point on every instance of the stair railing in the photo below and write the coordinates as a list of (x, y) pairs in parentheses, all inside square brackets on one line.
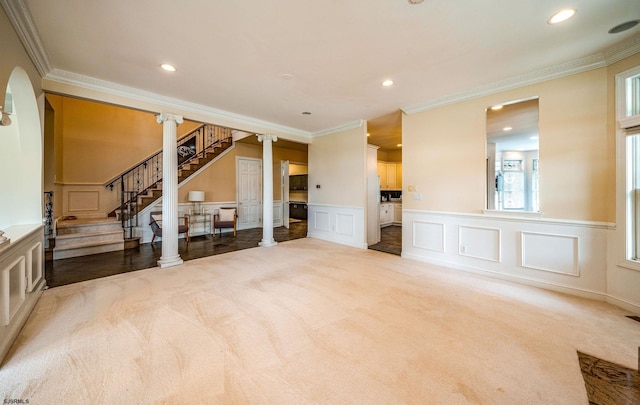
[(48, 214), (129, 212), (138, 180)]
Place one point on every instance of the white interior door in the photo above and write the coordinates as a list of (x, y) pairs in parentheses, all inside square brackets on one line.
[(285, 193), (249, 189)]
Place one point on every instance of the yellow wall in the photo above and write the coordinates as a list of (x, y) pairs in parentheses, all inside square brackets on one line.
[(13, 54), (218, 181), (298, 169), (337, 162), (394, 156), (444, 150), (99, 141)]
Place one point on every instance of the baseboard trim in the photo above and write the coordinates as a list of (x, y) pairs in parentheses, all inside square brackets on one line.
[(321, 236), (594, 295), (624, 304)]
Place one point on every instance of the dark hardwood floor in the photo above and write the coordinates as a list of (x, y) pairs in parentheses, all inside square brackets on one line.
[(76, 269), (609, 383), (390, 240)]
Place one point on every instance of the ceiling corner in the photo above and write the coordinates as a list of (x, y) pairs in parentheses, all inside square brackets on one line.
[(20, 18)]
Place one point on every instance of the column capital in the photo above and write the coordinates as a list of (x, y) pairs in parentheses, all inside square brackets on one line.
[(267, 137), (165, 116)]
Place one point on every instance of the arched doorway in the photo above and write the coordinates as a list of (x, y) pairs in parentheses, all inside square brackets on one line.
[(20, 154)]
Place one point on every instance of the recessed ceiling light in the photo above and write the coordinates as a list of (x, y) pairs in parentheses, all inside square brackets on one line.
[(287, 76), (306, 113), (168, 67), (496, 107), (624, 26), (507, 128), (562, 15), (399, 145), (387, 83), (533, 138), (415, 1)]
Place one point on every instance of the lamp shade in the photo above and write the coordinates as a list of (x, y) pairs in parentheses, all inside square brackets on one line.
[(196, 196)]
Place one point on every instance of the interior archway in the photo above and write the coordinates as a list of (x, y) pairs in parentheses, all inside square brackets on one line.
[(21, 155)]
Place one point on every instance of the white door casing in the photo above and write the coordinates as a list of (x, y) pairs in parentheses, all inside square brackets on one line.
[(285, 193), (249, 190)]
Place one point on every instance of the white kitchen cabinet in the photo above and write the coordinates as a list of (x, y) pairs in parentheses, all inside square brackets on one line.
[(386, 214), (397, 214), (390, 175), (382, 173)]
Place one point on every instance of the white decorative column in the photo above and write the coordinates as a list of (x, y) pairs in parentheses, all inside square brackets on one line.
[(170, 256), (267, 189)]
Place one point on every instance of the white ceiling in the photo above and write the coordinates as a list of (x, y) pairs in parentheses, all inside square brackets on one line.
[(231, 55)]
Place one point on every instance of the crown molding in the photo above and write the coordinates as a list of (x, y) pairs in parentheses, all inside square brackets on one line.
[(20, 18), (92, 83), (340, 128), (596, 61), (624, 50)]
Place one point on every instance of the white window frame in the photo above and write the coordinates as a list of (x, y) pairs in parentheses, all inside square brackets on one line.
[(626, 122)]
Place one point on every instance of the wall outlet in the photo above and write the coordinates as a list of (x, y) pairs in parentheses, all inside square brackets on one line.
[(417, 196)]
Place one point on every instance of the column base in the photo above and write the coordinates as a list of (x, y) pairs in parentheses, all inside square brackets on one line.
[(267, 243), (170, 261)]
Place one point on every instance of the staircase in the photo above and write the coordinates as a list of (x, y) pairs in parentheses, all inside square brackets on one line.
[(136, 189), (152, 193), (82, 237)]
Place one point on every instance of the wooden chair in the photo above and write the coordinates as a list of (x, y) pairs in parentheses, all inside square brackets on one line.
[(156, 226), (225, 218)]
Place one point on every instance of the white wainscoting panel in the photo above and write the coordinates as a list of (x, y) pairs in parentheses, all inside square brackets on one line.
[(277, 214), (567, 256), (345, 224), (479, 243), (321, 220), (21, 280), (340, 224), (144, 230), (428, 235), (83, 201), (34, 266), (549, 252), (13, 288)]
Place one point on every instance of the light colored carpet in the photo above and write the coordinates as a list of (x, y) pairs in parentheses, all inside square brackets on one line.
[(309, 322)]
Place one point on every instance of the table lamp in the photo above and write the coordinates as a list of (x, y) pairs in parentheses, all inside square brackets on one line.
[(197, 197)]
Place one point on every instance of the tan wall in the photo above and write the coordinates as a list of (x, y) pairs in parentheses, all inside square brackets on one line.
[(13, 54), (99, 141), (390, 156), (444, 150), (337, 162), (394, 156), (218, 181), (298, 169)]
